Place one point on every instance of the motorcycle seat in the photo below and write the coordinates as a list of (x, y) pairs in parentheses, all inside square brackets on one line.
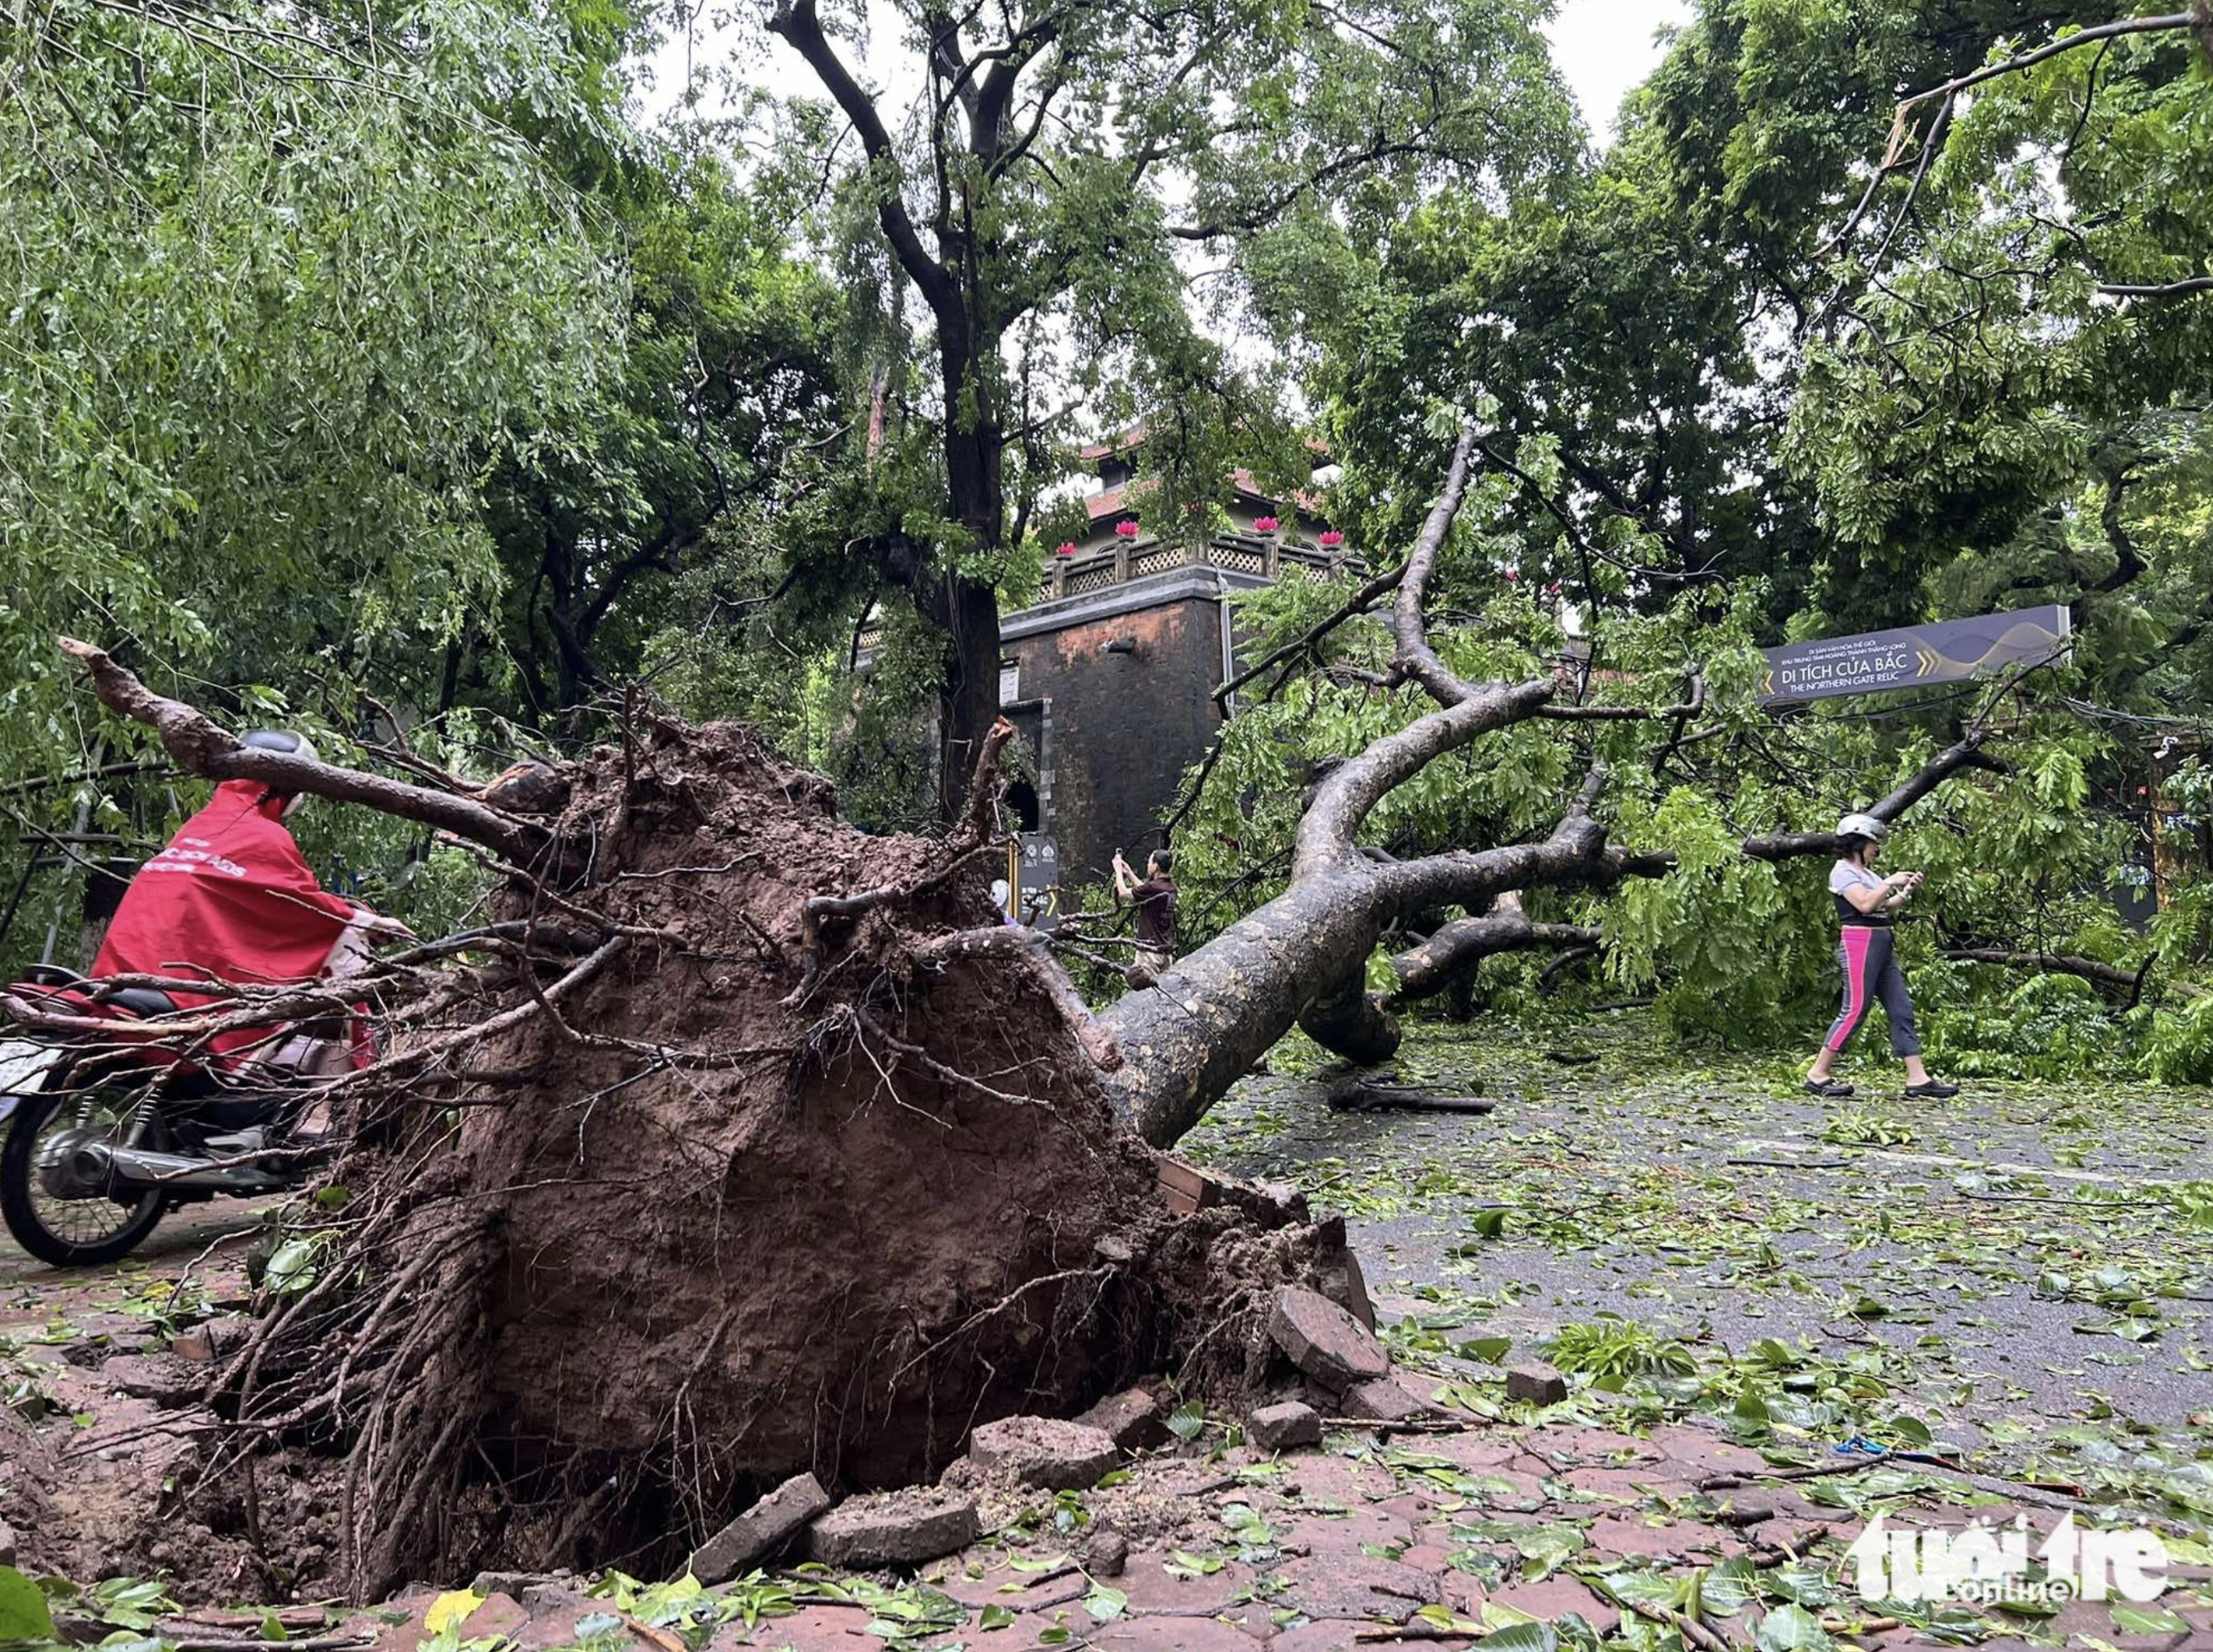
[(138, 1000)]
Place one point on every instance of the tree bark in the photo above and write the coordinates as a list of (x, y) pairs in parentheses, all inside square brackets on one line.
[(968, 703), (199, 748), (1302, 958), (2095, 971), (974, 436), (1967, 753), (1457, 948)]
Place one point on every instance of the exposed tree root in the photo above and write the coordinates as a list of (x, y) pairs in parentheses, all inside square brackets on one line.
[(739, 1144)]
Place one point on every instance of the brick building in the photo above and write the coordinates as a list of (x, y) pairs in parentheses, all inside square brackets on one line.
[(1110, 676)]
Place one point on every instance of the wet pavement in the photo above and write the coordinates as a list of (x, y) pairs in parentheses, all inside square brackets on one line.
[(1739, 1279), (2028, 1269)]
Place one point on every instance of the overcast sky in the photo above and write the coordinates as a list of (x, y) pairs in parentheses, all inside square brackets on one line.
[(1603, 48)]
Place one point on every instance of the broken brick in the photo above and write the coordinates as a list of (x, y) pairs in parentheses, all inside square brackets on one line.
[(1044, 1452), (1131, 1419), (762, 1529), (1280, 1428), (1382, 1401), (1537, 1382), (1324, 1341), (894, 1528)]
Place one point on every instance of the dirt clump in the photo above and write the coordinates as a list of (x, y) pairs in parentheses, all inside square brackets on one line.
[(766, 1151)]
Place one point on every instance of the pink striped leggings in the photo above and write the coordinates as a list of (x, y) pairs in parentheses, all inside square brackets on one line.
[(1871, 972)]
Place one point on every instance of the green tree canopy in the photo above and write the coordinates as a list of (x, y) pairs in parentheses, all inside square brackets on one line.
[(1053, 200), (282, 289)]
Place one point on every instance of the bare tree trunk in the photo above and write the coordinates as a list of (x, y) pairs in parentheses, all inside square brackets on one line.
[(968, 703)]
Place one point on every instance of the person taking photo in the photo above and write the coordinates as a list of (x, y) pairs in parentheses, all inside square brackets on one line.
[(1155, 900)]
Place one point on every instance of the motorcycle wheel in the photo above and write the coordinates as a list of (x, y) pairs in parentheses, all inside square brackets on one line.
[(71, 1233)]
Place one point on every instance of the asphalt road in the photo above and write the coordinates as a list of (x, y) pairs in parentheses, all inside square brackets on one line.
[(2025, 1265)]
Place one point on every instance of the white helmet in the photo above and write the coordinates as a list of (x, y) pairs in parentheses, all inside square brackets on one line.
[(283, 740), (1862, 825)]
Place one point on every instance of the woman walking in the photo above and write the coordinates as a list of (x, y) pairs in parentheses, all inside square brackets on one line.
[(1865, 901)]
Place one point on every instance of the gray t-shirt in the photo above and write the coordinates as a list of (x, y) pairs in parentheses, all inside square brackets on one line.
[(1850, 875)]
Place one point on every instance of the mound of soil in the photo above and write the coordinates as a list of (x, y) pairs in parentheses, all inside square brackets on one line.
[(763, 1191), (26, 1470)]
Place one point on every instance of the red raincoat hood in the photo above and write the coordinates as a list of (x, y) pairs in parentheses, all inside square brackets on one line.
[(231, 897)]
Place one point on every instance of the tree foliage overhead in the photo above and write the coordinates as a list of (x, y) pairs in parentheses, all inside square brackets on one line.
[(719, 424), (1785, 327), (362, 360), (1790, 359), (282, 287), (382, 355), (1035, 185)]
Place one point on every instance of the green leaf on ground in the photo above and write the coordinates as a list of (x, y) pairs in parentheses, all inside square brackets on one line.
[(24, 1615), (1793, 1629)]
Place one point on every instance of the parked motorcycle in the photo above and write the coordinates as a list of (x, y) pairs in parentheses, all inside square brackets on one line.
[(109, 1128)]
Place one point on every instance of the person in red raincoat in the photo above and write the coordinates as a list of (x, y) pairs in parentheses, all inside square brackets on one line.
[(233, 898)]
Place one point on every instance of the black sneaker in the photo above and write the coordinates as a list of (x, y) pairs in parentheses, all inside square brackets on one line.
[(1834, 1088), (1934, 1090)]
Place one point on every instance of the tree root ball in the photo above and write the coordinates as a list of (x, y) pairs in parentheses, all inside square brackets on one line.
[(754, 1196)]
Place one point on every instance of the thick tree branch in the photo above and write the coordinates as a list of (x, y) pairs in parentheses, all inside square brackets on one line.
[(797, 22), (1448, 955), (1353, 789), (1680, 714), (2128, 564), (199, 748), (947, 60), (2163, 290), (1576, 852), (1951, 87), (2093, 969), (1415, 656), (995, 97), (1300, 958), (1966, 754)]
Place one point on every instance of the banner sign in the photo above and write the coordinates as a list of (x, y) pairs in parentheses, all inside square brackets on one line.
[(1913, 657)]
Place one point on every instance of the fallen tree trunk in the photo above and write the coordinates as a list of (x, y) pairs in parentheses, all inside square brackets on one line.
[(1300, 959)]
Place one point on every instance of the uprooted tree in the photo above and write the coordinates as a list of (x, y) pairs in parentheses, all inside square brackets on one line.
[(731, 1143), (734, 1141)]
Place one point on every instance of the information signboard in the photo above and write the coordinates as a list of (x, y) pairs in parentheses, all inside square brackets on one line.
[(1913, 657)]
